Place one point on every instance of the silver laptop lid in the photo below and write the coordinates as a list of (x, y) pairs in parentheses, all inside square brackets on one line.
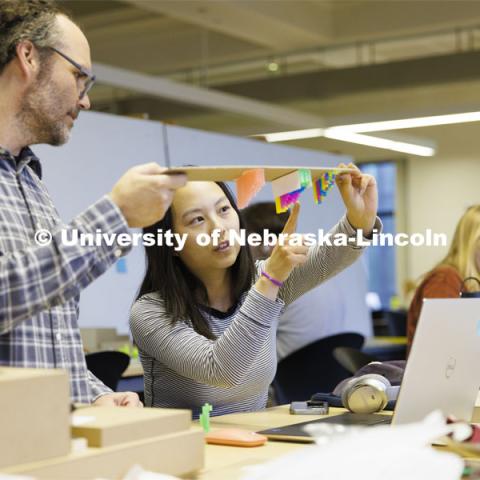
[(442, 369)]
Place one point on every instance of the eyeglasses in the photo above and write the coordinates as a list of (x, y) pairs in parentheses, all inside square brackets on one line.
[(86, 74)]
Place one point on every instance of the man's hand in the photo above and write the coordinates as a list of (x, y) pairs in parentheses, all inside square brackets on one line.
[(118, 399), (144, 194)]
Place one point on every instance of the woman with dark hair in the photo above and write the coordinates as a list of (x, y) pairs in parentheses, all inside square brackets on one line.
[(205, 317)]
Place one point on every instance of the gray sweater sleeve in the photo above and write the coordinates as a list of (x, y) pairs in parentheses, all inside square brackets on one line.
[(222, 362), (324, 262)]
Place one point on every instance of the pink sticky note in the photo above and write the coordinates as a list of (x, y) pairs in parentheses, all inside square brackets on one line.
[(248, 185)]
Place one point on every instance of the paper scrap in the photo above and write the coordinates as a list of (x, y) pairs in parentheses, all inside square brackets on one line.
[(297, 180), (286, 184), (138, 473), (305, 178), (121, 265), (287, 189), (79, 420), (287, 200), (322, 186), (375, 453), (278, 206), (248, 185)]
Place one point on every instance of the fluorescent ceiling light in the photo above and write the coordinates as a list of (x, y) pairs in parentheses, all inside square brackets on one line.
[(338, 133), (351, 133), (412, 122), (396, 146), (292, 135)]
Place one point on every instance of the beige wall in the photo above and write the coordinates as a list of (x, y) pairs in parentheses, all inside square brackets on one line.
[(439, 189)]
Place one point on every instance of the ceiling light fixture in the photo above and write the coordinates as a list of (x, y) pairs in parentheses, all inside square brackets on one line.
[(415, 122), (273, 67), (292, 135), (385, 143), (353, 133), (337, 133)]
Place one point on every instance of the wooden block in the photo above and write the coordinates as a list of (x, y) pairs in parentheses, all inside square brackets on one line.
[(35, 414), (107, 426), (174, 454)]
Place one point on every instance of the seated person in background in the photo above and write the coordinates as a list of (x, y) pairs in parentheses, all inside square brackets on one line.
[(446, 279), (319, 313), (263, 216), (205, 318)]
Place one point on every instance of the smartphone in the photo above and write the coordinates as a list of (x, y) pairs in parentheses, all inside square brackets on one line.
[(303, 408)]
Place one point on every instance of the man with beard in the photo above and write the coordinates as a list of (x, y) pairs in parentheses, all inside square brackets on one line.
[(44, 81)]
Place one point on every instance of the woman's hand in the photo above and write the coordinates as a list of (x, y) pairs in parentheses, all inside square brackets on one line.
[(286, 257), (360, 196)]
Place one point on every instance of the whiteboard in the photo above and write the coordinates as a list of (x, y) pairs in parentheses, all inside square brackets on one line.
[(103, 147)]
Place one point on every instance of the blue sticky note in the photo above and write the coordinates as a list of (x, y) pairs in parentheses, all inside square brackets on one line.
[(121, 265)]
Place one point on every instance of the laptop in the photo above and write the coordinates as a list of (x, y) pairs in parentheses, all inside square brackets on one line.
[(441, 371)]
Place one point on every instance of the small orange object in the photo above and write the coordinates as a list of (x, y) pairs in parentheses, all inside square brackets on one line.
[(248, 185), (235, 437)]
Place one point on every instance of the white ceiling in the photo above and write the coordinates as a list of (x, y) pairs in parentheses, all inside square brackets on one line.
[(338, 60)]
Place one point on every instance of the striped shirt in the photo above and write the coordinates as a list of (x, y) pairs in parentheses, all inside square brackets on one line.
[(40, 285), (186, 370)]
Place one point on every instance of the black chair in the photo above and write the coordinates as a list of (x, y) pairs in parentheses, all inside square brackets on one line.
[(396, 322), (352, 359), (313, 368), (108, 366)]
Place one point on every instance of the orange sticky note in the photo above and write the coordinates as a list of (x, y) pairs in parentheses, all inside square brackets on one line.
[(248, 185)]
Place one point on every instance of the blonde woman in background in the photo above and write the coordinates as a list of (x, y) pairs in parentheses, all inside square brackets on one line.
[(446, 279)]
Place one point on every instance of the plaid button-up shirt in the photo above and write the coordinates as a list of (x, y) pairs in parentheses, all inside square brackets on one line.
[(40, 285)]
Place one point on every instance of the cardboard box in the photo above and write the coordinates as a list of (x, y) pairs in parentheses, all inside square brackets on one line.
[(175, 454), (95, 339), (34, 414), (227, 173), (107, 426)]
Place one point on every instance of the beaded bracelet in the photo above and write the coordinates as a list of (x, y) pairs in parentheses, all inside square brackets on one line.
[(276, 282)]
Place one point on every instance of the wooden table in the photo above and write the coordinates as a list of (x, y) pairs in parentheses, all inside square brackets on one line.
[(386, 348), (223, 462), (373, 342), (135, 369), (132, 378)]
